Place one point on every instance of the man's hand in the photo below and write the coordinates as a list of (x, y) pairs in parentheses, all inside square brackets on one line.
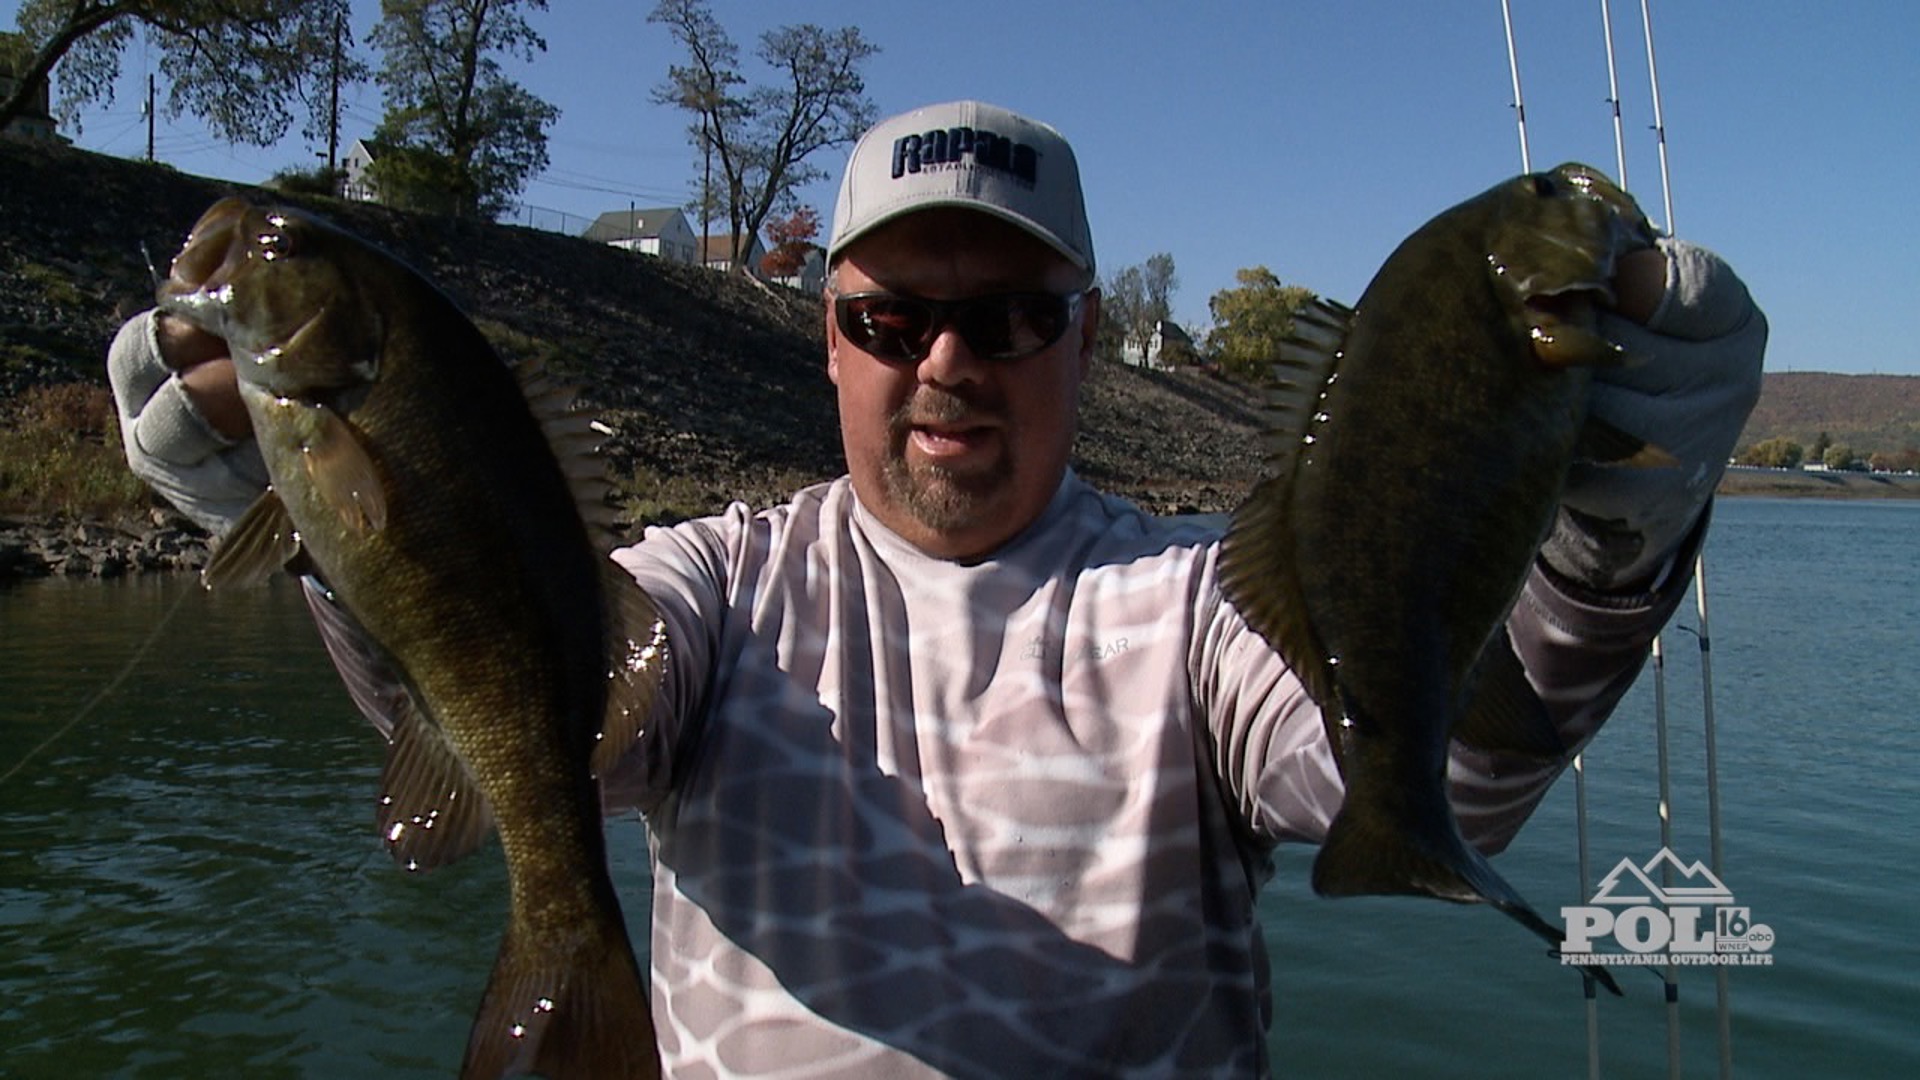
[(206, 373), (1695, 342)]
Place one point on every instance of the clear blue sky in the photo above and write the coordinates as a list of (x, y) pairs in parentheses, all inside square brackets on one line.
[(1309, 137)]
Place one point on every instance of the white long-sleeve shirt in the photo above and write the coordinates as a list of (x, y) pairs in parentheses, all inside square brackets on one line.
[(911, 816)]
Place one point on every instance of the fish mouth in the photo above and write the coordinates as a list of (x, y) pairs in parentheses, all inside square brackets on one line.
[(199, 284)]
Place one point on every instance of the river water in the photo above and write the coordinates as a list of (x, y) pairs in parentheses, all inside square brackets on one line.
[(189, 885)]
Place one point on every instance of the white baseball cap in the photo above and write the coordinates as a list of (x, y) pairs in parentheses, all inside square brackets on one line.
[(965, 154)]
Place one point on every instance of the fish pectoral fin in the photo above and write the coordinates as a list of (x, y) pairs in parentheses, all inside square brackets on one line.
[(636, 659), (431, 811), (1505, 715), (343, 473), (1601, 443), (260, 544), (581, 1012)]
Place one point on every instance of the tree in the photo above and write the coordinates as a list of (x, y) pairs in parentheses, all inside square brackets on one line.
[(1251, 320), (1839, 457), (1821, 444), (239, 65), (790, 237), (1779, 452), (1133, 301), (1122, 297), (458, 137), (760, 138), (1158, 282)]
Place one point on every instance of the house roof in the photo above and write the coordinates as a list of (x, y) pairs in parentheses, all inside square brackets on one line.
[(630, 224), (718, 247)]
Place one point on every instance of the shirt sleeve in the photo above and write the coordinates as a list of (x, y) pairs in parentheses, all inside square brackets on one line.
[(209, 477)]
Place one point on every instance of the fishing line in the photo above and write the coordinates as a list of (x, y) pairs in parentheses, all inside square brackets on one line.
[(126, 669)]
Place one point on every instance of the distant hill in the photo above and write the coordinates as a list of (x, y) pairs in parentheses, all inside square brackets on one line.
[(1866, 412)]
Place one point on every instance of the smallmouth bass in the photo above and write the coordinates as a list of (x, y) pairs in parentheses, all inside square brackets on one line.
[(446, 501), (1421, 445)]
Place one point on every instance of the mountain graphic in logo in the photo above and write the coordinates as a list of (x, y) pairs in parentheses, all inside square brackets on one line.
[(1630, 884)]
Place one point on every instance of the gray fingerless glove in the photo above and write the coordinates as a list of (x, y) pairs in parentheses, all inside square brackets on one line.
[(209, 477), (1694, 380)]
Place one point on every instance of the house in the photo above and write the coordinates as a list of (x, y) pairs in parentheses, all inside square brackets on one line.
[(716, 253), (662, 232), (355, 183), (1168, 342), (812, 275), (36, 119)]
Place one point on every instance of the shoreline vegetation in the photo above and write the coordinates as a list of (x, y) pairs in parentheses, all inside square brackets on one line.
[(164, 541)]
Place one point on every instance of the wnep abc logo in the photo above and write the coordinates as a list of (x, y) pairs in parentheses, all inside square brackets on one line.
[(1692, 923)]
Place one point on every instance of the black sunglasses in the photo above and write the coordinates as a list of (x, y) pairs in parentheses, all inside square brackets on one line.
[(1005, 326)]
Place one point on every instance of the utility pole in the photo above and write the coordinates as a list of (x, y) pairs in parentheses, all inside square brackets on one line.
[(149, 116), (333, 107), (706, 185)]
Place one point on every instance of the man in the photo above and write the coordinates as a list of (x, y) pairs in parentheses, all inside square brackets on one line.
[(965, 768)]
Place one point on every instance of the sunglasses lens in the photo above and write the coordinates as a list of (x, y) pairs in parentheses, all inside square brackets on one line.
[(1004, 327), (888, 326), (1010, 327)]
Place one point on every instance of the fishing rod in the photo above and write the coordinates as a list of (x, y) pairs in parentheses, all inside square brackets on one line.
[(1588, 988), (1657, 657), (1723, 1013)]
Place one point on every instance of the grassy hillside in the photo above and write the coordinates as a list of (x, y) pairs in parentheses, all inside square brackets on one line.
[(716, 386)]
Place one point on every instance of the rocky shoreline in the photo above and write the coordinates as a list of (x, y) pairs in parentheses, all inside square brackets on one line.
[(164, 542), (167, 542)]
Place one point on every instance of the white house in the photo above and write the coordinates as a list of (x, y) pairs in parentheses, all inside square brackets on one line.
[(662, 232), (1166, 335), (355, 183)]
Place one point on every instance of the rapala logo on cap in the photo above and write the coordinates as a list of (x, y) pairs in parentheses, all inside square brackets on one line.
[(952, 146)]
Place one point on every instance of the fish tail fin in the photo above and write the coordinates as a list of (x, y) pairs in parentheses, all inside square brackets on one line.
[(1369, 852), (565, 1014)]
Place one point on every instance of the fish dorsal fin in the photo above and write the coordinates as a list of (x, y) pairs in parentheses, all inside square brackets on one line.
[(260, 544), (637, 660), (1258, 567), (636, 636), (1307, 359), (430, 812), (575, 437)]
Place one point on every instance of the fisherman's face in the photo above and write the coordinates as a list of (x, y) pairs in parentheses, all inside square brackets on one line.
[(954, 452)]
